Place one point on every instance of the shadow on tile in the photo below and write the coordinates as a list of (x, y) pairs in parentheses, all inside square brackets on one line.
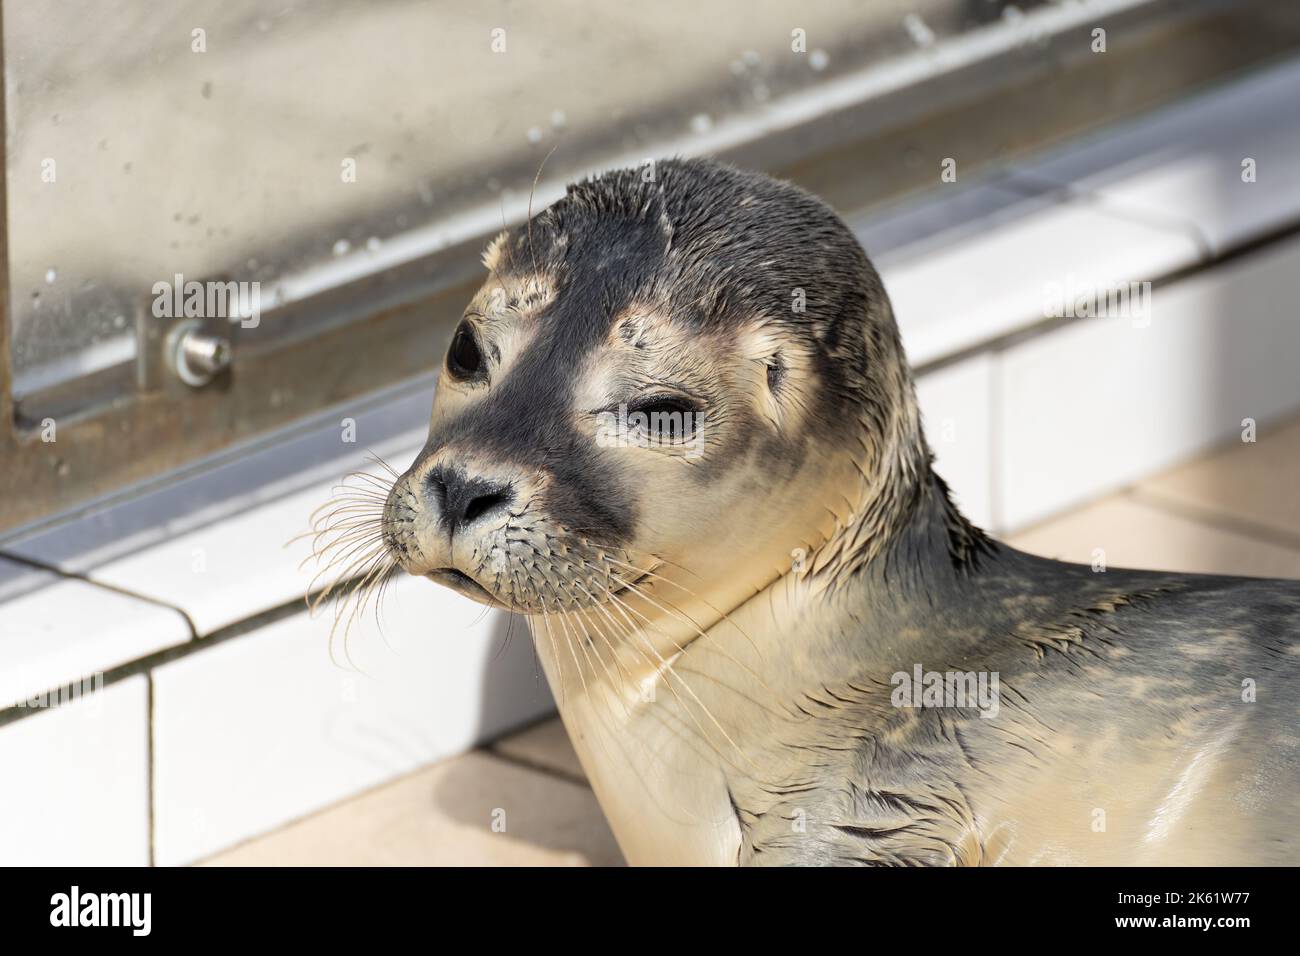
[(553, 819)]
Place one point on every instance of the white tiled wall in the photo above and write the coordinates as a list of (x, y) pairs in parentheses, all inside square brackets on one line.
[(1098, 404), (951, 298), (74, 782), (264, 728), (956, 411)]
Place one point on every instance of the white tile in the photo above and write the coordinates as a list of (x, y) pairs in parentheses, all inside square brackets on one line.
[(1184, 163), (1128, 533), (1100, 403), (264, 728), (217, 544), (954, 296), (955, 409), (76, 778), (944, 215), (55, 630), (474, 810)]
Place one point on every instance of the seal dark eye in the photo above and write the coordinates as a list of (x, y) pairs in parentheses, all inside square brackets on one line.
[(464, 359), (664, 418)]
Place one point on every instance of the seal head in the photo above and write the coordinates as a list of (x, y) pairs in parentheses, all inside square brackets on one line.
[(665, 378)]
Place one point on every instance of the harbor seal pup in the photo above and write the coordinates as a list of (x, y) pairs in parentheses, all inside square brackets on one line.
[(677, 431)]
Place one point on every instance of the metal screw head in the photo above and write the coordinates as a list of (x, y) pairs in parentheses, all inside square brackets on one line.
[(196, 356)]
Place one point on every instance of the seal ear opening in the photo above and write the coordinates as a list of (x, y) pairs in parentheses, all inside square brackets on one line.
[(776, 372)]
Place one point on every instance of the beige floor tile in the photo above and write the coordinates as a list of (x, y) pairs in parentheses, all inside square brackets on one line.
[(1135, 535), (544, 745), (1258, 483), (443, 816)]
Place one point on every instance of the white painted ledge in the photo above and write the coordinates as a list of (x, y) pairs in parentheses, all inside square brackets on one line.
[(56, 630)]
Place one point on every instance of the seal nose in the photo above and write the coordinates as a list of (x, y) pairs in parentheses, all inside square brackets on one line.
[(463, 499)]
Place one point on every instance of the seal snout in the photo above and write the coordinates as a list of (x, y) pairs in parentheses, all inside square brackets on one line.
[(463, 499), (448, 518)]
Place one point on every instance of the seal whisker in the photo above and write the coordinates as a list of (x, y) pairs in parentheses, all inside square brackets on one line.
[(343, 590), (588, 644), (668, 669), (599, 606), (344, 533), (700, 732), (643, 572), (348, 567), (371, 455), (348, 516), (682, 617), (568, 640), (555, 651), (349, 554), (621, 696), (344, 517), (381, 563), (531, 193)]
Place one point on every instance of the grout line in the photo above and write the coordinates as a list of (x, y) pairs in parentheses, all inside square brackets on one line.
[(536, 766), (1042, 327), (147, 663), (1031, 185), (74, 576), (142, 665), (1073, 507), (306, 815), (995, 443), (151, 774), (1215, 519)]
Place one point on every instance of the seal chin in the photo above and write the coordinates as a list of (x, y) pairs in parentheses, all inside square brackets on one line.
[(462, 583)]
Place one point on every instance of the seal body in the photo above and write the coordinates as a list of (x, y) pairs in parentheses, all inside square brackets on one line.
[(1142, 718), (676, 430)]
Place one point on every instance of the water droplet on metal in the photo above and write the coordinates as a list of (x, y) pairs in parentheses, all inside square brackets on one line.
[(534, 135), (819, 59), (916, 28), (701, 123), (50, 275), (342, 247)]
